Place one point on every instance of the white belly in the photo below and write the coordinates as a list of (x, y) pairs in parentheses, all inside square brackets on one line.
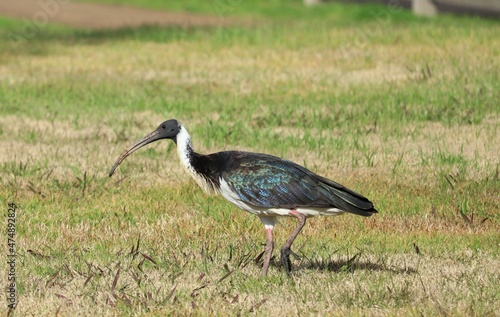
[(232, 197)]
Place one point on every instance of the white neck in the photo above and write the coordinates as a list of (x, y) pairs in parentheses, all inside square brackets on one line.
[(185, 152), (185, 149)]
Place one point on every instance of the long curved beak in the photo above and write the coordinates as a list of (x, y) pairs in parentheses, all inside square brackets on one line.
[(151, 137)]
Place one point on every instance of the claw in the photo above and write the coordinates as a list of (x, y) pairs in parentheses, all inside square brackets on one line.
[(295, 255), (285, 260)]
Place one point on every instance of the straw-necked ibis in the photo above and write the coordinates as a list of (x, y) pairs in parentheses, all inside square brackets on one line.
[(264, 185)]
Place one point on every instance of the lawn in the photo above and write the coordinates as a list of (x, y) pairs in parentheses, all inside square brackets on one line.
[(404, 110)]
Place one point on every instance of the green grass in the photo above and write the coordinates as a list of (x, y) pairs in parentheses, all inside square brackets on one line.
[(405, 112), (276, 10)]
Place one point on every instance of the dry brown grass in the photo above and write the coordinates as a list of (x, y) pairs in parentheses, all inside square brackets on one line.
[(166, 277), (92, 147), (404, 280)]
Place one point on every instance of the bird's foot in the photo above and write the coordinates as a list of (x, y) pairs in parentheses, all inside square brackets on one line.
[(285, 259)]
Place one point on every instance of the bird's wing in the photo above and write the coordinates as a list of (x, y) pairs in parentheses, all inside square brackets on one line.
[(342, 197), (270, 182), (273, 183)]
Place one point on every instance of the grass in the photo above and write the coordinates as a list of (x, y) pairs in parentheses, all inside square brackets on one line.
[(280, 10), (405, 112)]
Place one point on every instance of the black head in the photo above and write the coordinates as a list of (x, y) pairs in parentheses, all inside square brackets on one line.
[(167, 130)]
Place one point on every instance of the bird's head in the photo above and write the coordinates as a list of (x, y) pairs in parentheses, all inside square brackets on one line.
[(167, 130)]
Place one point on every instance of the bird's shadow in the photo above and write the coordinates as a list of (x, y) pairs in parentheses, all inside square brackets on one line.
[(356, 262)]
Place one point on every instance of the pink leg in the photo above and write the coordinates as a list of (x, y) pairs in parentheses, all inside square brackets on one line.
[(268, 250), (286, 251)]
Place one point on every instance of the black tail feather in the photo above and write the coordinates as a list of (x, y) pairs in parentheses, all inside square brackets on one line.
[(347, 199)]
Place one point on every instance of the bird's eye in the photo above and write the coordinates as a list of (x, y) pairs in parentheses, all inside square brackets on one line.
[(163, 126), (172, 130)]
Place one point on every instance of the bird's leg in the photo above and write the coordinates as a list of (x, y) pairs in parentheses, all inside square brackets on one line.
[(268, 250), (286, 251)]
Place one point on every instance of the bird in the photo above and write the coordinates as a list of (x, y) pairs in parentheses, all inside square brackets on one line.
[(264, 185)]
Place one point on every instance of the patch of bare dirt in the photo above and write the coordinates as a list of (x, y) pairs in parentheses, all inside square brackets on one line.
[(101, 16)]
